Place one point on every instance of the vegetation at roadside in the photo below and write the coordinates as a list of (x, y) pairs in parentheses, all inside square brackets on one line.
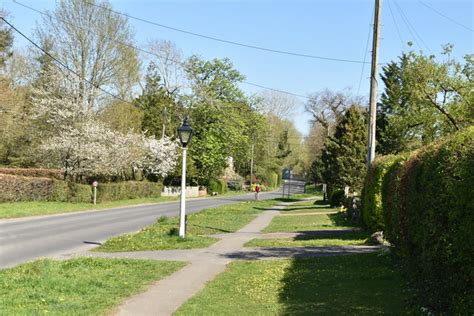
[(86, 286), (427, 201), (34, 208), (164, 233), (309, 222), (319, 240), (305, 286)]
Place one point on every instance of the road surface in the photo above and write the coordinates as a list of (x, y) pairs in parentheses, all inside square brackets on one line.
[(26, 239)]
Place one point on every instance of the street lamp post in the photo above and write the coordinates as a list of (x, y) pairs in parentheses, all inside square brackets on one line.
[(185, 132)]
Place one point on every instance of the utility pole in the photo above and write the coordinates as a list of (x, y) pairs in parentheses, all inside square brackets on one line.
[(373, 85), (251, 167)]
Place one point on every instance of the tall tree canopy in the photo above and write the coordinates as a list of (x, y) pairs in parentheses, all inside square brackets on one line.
[(94, 42), (423, 100)]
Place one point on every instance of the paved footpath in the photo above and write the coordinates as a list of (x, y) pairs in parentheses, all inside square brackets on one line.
[(167, 295)]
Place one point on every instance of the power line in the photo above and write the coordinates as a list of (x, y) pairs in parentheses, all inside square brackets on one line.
[(63, 64), (226, 41), (410, 27), (445, 16), (177, 62), (396, 24)]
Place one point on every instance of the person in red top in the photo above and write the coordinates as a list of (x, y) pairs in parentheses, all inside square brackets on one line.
[(257, 191)]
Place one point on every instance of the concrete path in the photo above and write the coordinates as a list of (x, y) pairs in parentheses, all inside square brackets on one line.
[(167, 295)]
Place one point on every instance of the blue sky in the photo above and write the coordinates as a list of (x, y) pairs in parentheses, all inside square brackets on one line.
[(331, 28)]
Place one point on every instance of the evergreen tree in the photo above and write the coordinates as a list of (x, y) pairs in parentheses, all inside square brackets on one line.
[(161, 114), (344, 154)]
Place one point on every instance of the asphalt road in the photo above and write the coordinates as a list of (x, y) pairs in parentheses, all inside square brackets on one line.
[(26, 239)]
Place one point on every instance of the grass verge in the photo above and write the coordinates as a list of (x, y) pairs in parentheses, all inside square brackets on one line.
[(34, 208), (321, 240), (308, 222), (363, 284), (80, 286), (163, 234)]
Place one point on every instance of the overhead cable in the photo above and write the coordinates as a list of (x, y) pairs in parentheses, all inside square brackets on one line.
[(225, 40), (446, 17), (177, 62)]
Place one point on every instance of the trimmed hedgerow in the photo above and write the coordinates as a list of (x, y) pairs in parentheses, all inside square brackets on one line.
[(372, 211), (391, 200), (34, 172), (429, 207), (18, 188), (219, 186), (127, 190)]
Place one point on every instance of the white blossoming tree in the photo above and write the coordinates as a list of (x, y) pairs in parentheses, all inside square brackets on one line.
[(85, 147)]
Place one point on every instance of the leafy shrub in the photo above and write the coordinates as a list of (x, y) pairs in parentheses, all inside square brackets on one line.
[(127, 190), (391, 202), (337, 198), (429, 201), (34, 172), (372, 211), (234, 185), (219, 186), (18, 188)]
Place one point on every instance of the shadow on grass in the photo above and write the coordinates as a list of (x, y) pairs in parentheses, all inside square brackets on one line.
[(288, 199), (210, 227), (321, 202), (362, 284), (340, 219), (332, 234), (296, 208)]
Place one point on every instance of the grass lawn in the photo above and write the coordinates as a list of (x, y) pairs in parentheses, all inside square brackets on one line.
[(363, 284), (32, 208), (80, 286), (309, 206), (322, 240), (308, 222), (163, 234)]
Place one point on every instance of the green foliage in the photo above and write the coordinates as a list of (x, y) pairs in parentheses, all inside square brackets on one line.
[(391, 201), (423, 99), (34, 172), (79, 286), (372, 211), (127, 190), (337, 198), (431, 223), (343, 159), (18, 188), (225, 122), (215, 186), (161, 113)]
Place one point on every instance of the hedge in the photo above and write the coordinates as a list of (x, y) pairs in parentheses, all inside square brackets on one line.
[(18, 188), (372, 211), (34, 172), (128, 190), (429, 214), (219, 186)]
